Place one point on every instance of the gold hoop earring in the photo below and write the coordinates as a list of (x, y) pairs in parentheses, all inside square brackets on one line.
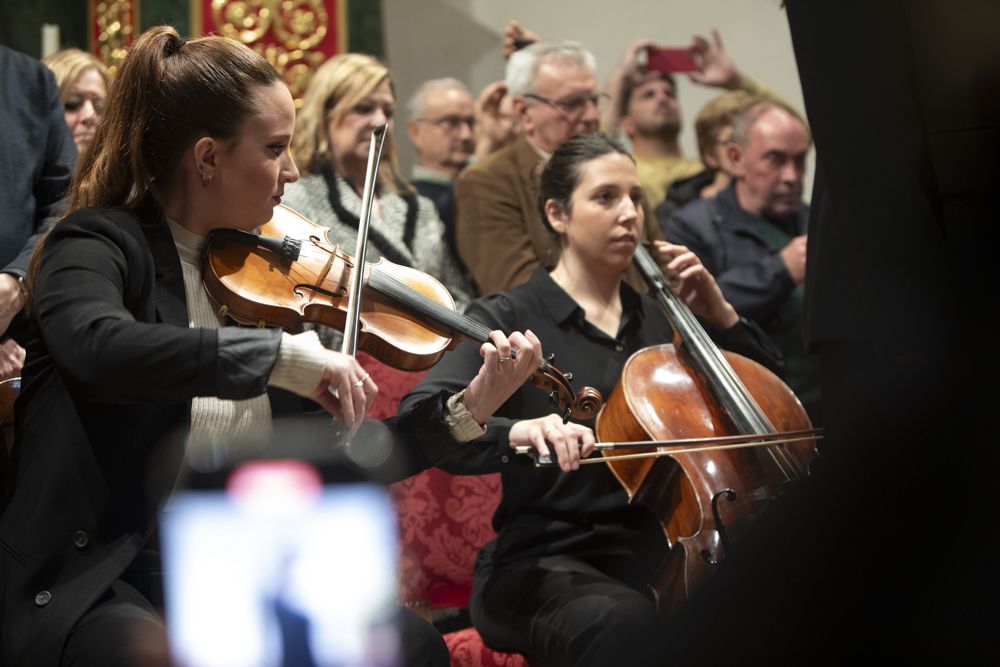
[(205, 179)]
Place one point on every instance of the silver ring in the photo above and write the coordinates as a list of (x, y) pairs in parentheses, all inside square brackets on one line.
[(361, 381)]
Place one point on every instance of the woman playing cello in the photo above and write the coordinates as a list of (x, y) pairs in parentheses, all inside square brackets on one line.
[(125, 349), (564, 581)]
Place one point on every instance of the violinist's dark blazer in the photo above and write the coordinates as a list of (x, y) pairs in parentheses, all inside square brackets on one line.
[(89, 420), (106, 398)]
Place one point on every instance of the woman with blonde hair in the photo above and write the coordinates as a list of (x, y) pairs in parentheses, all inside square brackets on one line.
[(83, 82), (349, 96)]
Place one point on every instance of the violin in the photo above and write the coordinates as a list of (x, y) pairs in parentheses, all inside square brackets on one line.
[(291, 274), (706, 495)]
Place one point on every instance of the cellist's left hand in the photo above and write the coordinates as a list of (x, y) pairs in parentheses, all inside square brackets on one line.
[(502, 372), (695, 285)]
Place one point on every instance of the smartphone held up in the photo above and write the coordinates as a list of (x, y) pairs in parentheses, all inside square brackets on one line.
[(664, 59)]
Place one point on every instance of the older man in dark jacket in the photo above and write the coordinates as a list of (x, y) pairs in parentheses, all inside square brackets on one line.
[(752, 235)]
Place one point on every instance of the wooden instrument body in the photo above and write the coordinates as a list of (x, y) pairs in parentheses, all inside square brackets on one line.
[(705, 501)]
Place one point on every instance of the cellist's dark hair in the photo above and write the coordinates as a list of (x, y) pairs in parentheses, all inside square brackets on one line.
[(561, 174), (168, 93)]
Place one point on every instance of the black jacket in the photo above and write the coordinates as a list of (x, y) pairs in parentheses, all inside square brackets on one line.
[(111, 369), (36, 156), (751, 275)]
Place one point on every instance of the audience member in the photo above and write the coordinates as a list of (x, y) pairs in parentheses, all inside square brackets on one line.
[(442, 128), (713, 129), (38, 157), (752, 235), (501, 238), (349, 96), (644, 107), (496, 124), (83, 85)]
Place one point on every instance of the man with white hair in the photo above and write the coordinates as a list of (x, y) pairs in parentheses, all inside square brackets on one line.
[(441, 127), (500, 235)]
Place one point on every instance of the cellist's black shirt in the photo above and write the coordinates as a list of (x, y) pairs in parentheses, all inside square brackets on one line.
[(546, 511)]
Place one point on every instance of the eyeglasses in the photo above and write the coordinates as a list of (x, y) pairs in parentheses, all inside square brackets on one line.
[(576, 104), (451, 123)]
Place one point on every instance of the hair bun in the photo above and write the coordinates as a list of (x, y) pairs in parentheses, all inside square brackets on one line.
[(173, 45)]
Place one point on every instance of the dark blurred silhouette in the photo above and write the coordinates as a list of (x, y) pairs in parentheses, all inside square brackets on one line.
[(888, 548)]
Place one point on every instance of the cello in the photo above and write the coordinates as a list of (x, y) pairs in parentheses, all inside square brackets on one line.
[(706, 500)]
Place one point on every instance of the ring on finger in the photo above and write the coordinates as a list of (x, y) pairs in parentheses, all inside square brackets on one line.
[(361, 381), (504, 360)]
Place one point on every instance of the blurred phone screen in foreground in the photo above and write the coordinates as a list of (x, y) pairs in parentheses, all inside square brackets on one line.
[(279, 569)]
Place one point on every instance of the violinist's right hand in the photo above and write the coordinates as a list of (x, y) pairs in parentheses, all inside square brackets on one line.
[(334, 380), (570, 441), (344, 389)]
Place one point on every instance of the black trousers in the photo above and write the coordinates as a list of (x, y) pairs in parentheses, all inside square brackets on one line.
[(561, 610)]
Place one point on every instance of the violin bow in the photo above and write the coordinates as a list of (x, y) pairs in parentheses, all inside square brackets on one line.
[(351, 325), (680, 446)]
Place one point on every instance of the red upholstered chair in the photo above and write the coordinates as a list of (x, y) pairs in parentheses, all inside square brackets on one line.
[(443, 520)]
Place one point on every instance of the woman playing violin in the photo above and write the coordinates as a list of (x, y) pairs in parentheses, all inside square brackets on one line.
[(125, 349), (564, 581)]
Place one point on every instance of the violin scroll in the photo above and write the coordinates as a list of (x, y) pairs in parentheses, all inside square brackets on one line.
[(584, 404)]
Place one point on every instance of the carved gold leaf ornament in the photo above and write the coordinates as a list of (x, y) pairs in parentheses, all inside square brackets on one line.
[(301, 24), (297, 27), (245, 20), (113, 20), (295, 36)]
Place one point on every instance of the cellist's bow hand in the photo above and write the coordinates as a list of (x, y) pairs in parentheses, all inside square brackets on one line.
[(695, 285), (507, 364), (567, 442)]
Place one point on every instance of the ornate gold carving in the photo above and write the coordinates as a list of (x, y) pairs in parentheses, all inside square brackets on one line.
[(301, 24), (114, 20), (297, 26)]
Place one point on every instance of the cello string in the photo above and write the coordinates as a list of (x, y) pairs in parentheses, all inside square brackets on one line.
[(729, 388)]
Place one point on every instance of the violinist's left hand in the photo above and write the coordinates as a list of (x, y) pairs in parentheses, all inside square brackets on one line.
[(501, 374), (696, 286)]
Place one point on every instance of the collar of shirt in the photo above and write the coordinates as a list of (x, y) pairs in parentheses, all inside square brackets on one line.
[(563, 308), (545, 156), (422, 173)]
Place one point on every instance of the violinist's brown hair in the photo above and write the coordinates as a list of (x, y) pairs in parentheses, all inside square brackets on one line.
[(339, 85), (168, 93)]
